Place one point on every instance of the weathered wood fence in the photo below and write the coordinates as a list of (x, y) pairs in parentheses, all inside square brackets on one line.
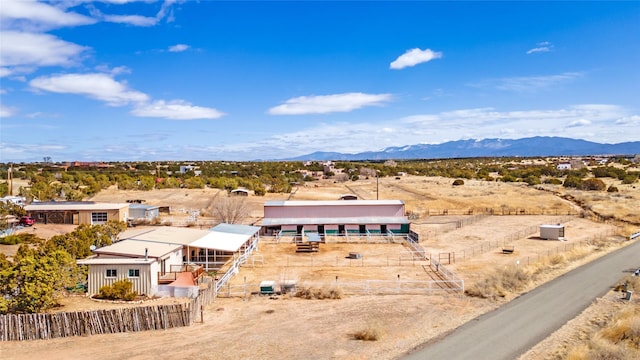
[(84, 323)]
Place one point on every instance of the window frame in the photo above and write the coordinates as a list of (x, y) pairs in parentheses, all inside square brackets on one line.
[(97, 216), (113, 272), (135, 271)]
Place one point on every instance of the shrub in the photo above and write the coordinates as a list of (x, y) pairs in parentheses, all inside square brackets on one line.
[(371, 333), (23, 238), (553, 181), (612, 189), (120, 290), (458, 182), (593, 184), (310, 293)]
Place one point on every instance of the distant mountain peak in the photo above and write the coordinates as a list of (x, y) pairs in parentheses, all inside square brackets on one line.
[(494, 147)]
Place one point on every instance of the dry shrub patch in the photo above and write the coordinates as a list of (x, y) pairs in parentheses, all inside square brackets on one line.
[(618, 339), (370, 333), (326, 292), (501, 282)]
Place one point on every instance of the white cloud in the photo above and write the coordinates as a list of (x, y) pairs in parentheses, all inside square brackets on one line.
[(136, 20), (31, 15), (324, 104), (178, 48), (6, 111), (529, 83), (544, 46), (414, 57), (629, 121), (23, 50), (175, 110), (97, 86), (579, 122)]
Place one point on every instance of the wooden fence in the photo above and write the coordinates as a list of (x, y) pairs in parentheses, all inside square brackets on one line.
[(84, 323)]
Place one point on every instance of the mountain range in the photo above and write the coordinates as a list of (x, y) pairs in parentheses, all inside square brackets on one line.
[(525, 147)]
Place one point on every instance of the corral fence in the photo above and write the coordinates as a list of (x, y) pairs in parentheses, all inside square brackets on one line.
[(362, 287), (563, 247), (507, 240), (495, 211)]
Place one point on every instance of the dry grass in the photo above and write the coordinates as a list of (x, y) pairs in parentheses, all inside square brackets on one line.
[(313, 293), (618, 339), (501, 282)]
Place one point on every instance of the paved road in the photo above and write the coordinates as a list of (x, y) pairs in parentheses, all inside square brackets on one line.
[(517, 326)]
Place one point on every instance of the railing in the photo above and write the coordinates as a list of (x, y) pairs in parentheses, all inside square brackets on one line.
[(364, 287)]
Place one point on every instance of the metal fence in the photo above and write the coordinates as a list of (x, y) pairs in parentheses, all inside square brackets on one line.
[(350, 287)]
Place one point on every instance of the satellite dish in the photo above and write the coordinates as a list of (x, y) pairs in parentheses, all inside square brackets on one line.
[(92, 247)]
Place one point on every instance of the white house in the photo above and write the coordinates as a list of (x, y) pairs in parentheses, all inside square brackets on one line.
[(153, 257)]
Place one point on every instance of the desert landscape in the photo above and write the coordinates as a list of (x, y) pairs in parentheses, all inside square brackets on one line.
[(451, 227)]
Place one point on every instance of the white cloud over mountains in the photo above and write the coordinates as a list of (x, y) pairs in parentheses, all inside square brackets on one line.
[(324, 104)]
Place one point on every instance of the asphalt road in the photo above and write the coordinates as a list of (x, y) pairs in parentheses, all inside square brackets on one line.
[(514, 328)]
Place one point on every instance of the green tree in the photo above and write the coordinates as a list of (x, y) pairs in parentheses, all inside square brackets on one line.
[(35, 279), (593, 184)]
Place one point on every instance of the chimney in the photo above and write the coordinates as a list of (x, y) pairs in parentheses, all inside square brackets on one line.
[(146, 253)]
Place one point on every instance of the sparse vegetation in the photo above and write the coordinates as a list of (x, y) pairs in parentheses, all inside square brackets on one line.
[(326, 292), (370, 333)]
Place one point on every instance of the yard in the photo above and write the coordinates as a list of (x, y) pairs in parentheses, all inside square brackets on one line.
[(258, 327)]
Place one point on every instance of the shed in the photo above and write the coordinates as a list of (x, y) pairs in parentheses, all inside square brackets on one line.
[(240, 192), (552, 232), (138, 211)]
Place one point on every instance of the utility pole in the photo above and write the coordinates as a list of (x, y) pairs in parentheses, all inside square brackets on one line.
[(10, 179), (377, 186)]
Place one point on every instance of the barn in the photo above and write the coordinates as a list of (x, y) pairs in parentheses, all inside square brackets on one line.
[(77, 212), (337, 217)]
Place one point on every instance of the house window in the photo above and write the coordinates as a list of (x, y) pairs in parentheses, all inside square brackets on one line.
[(98, 217), (134, 272), (111, 273)]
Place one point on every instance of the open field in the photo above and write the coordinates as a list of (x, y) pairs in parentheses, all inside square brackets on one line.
[(258, 327)]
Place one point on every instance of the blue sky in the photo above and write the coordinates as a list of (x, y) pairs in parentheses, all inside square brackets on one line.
[(120, 80)]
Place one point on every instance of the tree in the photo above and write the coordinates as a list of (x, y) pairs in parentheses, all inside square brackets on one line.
[(34, 280), (230, 209), (593, 184)]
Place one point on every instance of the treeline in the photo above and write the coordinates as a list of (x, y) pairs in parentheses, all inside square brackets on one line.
[(52, 181)]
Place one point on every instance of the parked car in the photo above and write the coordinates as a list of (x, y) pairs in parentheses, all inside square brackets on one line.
[(27, 221)]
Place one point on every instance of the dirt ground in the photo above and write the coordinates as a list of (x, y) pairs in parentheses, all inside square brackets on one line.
[(259, 327)]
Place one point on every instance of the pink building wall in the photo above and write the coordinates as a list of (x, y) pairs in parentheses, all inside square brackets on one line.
[(335, 211)]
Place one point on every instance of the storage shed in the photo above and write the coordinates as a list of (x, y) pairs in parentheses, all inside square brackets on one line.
[(140, 212), (552, 232)]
